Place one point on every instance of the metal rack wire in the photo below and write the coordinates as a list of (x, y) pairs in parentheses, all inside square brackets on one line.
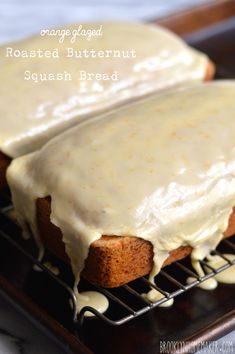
[(126, 310)]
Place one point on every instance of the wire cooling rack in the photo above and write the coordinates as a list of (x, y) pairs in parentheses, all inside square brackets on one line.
[(126, 302)]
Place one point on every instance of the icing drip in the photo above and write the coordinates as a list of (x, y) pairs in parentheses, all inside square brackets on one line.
[(162, 170), (93, 299), (226, 276), (154, 295)]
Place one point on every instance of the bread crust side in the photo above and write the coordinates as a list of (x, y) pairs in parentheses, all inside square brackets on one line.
[(112, 260), (210, 71)]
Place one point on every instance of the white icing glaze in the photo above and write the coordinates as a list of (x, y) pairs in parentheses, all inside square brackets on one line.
[(33, 113), (41, 250), (208, 284), (154, 295), (55, 270), (226, 276), (162, 170), (93, 299)]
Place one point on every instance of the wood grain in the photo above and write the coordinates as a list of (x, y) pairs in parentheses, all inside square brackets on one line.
[(198, 18)]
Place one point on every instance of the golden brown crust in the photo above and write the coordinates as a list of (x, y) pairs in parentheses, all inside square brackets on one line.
[(112, 260), (4, 163), (210, 71)]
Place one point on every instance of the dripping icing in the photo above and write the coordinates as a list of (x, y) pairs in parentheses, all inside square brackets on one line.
[(184, 183)]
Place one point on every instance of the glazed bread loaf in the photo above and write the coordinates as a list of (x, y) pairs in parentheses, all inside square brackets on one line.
[(5, 160), (112, 260), (151, 59), (131, 190)]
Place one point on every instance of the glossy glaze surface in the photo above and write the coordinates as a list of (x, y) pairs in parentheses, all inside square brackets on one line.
[(32, 113), (162, 170)]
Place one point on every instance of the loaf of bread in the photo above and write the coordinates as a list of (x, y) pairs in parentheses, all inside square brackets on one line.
[(5, 160), (151, 59), (112, 260), (132, 190)]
